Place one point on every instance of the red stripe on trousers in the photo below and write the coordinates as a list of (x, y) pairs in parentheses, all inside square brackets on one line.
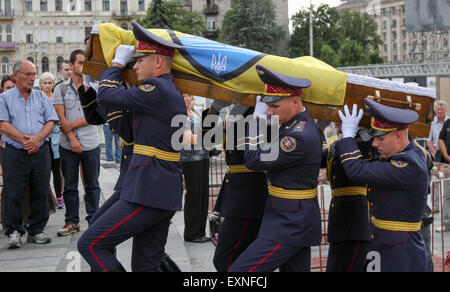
[(355, 252), (91, 247), (265, 258), (237, 245)]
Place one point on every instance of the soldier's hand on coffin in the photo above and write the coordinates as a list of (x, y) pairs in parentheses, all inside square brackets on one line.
[(88, 80), (260, 108), (124, 55), (350, 121)]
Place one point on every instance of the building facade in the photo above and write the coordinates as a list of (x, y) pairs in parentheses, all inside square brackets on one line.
[(47, 31), (400, 46)]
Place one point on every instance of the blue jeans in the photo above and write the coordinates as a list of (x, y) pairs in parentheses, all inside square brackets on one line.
[(20, 172), (109, 137), (90, 164)]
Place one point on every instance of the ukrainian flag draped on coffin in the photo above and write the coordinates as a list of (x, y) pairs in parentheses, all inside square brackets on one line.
[(233, 67)]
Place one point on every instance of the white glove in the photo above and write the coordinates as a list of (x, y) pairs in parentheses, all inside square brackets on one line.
[(260, 108), (351, 121), (88, 80), (124, 55)]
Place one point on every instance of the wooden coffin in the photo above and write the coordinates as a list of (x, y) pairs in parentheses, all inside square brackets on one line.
[(385, 92)]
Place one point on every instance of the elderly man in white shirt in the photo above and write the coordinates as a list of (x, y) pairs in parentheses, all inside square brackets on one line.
[(440, 109)]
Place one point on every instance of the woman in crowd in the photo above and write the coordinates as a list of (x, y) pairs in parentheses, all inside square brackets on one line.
[(7, 83), (46, 84), (196, 177)]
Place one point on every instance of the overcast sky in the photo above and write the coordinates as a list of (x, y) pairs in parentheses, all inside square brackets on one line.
[(296, 5)]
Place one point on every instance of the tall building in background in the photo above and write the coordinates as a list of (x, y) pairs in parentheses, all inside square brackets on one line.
[(402, 44), (214, 12), (47, 31)]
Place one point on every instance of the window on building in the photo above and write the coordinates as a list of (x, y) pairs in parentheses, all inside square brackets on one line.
[(44, 35), (87, 5), (5, 65), (105, 5), (394, 23), (29, 36), (59, 62), (141, 5), (73, 35), (124, 26), (8, 9), (123, 7), (8, 33), (45, 65), (31, 59), (394, 35), (59, 35), (73, 5), (210, 23), (28, 5), (58, 5), (384, 24), (87, 31), (44, 5), (1, 33)]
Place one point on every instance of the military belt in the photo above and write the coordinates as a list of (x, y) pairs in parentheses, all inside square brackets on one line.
[(240, 168), (125, 143), (292, 194), (396, 225), (349, 191), (155, 152)]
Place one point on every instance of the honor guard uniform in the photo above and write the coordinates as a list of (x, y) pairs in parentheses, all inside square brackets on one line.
[(241, 199), (348, 217), (120, 122), (291, 221), (152, 189), (397, 193)]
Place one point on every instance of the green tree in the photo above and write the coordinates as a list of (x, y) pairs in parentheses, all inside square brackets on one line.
[(352, 53), (360, 27), (251, 24), (329, 56), (172, 15), (336, 35), (326, 30)]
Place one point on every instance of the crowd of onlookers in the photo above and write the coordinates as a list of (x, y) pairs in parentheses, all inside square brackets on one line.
[(44, 135)]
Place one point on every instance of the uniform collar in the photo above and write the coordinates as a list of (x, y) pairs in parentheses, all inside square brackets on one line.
[(298, 117), (168, 76), (408, 147)]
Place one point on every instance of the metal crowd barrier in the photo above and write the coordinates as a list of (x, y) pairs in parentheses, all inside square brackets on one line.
[(440, 241)]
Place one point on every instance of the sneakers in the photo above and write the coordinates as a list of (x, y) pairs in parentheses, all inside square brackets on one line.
[(60, 204), (15, 240), (40, 238), (69, 228)]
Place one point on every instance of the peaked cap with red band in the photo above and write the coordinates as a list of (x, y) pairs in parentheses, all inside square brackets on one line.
[(277, 86), (386, 119), (149, 43)]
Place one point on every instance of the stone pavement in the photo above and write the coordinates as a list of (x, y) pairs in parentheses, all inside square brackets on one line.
[(61, 254)]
